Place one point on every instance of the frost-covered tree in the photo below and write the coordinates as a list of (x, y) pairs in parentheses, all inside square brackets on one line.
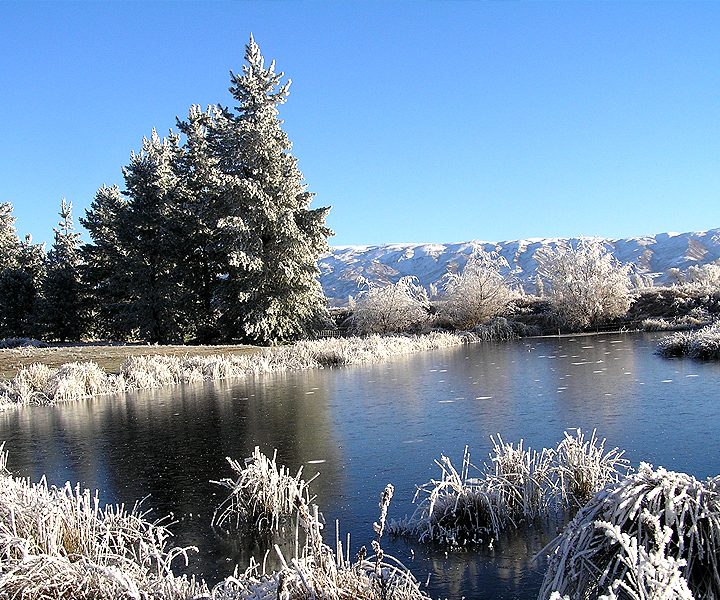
[(478, 292), (200, 220), (393, 308), (105, 265), (270, 291), (9, 242), (63, 304), (587, 284), (150, 240), (22, 268), (704, 276)]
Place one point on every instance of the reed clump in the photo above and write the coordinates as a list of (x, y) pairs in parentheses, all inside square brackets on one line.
[(263, 494), (319, 571), (703, 344), (474, 505), (58, 543), (654, 535)]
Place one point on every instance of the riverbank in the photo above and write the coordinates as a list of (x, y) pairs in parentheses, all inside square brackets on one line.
[(39, 383)]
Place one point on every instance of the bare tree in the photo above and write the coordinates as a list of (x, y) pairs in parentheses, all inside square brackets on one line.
[(587, 284)]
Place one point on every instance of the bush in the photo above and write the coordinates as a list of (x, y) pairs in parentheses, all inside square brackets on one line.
[(479, 292), (395, 308), (587, 284)]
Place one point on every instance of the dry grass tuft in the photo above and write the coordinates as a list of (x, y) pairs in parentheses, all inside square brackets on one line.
[(262, 496), (319, 571)]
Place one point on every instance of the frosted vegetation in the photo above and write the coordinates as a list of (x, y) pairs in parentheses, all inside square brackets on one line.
[(473, 505), (655, 536), (586, 284), (703, 344), (40, 384), (649, 535)]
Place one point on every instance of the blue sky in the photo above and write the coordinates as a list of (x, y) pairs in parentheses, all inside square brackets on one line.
[(416, 121)]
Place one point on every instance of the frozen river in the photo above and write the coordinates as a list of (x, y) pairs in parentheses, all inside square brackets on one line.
[(364, 426)]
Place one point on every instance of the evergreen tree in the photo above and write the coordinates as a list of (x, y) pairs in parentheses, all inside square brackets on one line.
[(197, 223), (105, 265), (150, 239), (9, 242), (64, 315), (23, 268), (271, 290)]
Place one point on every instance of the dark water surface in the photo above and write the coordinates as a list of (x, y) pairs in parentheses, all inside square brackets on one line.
[(362, 427)]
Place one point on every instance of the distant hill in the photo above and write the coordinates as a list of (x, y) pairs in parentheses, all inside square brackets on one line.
[(344, 266)]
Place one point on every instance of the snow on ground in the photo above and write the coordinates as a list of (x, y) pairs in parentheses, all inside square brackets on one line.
[(344, 268)]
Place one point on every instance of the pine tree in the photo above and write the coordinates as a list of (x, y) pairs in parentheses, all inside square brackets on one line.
[(20, 282), (271, 291), (9, 242), (149, 239), (199, 212), (104, 270), (63, 313)]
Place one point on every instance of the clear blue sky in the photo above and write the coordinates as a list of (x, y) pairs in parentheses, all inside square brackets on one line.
[(416, 121)]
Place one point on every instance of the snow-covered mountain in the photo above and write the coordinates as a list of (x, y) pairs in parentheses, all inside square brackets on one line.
[(345, 267)]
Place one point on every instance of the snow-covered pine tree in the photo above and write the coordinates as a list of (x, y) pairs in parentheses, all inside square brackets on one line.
[(271, 291), (105, 266), (63, 307), (149, 239), (9, 242), (22, 269), (199, 210)]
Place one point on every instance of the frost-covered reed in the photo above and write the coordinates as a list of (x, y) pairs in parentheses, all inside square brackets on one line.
[(473, 505), (39, 384), (655, 535), (262, 496), (703, 344), (320, 571), (60, 543)]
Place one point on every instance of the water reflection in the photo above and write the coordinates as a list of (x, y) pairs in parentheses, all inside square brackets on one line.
[(377, 424)]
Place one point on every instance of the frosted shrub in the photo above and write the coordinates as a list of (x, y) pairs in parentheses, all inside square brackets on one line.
[(394, 308), (703, 344), (479, 292), (655, 534), (587, 284), (498, 328)]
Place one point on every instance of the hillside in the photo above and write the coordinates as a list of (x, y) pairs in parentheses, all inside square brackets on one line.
[(345, 266)]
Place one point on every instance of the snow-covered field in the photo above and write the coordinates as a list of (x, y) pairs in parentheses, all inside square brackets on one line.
[(344, 268)]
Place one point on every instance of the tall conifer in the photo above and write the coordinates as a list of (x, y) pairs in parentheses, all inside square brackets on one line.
[(64, 315), (271, 292)]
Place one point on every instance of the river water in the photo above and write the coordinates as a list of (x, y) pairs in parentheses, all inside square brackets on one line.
[(362, 427)]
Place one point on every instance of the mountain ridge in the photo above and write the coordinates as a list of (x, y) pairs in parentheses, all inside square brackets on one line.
[(345, 268)]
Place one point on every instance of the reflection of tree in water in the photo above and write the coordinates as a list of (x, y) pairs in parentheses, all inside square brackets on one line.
[(169, 443)]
